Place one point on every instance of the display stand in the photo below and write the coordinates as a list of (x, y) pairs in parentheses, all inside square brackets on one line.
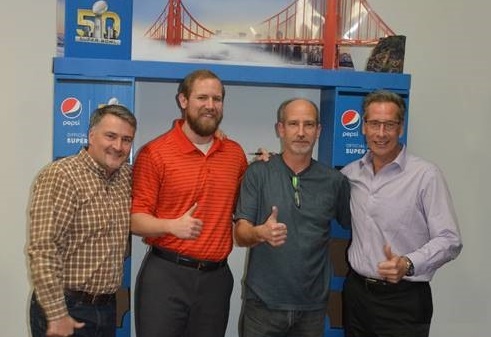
[(341, 140)]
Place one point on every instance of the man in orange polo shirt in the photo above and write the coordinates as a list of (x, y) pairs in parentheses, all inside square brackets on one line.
[(185, 186)]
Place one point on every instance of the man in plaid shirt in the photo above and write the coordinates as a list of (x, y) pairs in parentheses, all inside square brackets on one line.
[(79, 227)]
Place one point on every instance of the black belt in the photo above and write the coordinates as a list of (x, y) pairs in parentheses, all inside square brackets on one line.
[(86, 298), (188, 261), (381, 285)]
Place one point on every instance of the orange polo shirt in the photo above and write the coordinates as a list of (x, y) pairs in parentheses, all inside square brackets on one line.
[(170, 174)]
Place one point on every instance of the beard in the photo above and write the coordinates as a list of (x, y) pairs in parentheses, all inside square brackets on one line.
[(301, 148), (203, 126)]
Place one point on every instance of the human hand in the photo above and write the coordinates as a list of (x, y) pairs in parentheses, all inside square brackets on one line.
[(187, 227), (262, 154), (394, 268), (272, 231), (63, 327)]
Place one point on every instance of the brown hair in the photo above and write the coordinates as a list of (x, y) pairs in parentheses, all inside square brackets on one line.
[(385, 96), (186, 86), (115, 110)]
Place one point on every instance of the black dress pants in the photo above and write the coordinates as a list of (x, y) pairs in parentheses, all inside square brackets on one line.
[(381, 309), (173, 300)]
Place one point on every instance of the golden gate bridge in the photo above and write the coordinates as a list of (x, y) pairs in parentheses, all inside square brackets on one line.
[(319, 27)]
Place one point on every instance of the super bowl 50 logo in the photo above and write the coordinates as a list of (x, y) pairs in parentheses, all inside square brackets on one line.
[(98, 24)]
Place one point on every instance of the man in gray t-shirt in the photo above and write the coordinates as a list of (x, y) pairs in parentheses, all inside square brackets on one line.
[(283, 213)]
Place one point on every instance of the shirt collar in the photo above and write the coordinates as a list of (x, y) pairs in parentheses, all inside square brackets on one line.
[(93, 166), (187, 146), (400, 161), (280, 161)]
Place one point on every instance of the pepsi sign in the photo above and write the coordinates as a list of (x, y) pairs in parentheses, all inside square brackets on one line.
[(71, 107), (342, 140), (75, 100), (350, 119)]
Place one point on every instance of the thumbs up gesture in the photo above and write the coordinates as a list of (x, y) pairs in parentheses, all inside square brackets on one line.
[(272, 231), (187, 227), (393, 268)]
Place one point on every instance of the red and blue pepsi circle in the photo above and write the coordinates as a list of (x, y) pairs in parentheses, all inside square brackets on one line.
[(71, 107), (350, 119)]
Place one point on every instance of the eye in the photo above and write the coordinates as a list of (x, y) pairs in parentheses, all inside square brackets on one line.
[(127, 140), (292, 123), (374, 124), (390, 125)]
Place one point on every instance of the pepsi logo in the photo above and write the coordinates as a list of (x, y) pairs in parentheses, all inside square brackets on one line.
[(71, 107), (350, 119)]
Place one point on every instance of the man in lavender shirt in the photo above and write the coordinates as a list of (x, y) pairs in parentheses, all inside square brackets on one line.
[(404, 228)]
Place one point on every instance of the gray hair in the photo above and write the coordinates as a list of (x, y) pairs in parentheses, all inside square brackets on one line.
[(281, 109)]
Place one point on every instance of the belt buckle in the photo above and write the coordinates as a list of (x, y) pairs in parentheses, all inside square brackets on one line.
[(93, 299), (200, 265), (372, 281), (88, 298)]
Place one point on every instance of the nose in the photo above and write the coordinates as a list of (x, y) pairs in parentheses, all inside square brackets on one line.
[(381, 130), (118, 144), (301, 129), (210, 104)]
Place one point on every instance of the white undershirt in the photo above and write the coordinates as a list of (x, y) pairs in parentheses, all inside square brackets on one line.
[(204, 147)]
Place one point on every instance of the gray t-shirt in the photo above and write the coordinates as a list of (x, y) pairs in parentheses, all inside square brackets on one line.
[(294, 276)]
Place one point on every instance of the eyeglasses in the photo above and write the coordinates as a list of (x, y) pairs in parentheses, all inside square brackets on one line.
[(296, 189), (374, 125)]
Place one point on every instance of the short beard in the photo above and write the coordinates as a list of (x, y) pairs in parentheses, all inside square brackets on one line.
[(300, 150), (203, 129)]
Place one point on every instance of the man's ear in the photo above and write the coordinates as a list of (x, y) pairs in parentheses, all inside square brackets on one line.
[(182, 101), (401, 132), (277, 127)]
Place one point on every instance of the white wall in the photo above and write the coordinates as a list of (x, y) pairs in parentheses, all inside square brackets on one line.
[(27, 43), (447, 54)]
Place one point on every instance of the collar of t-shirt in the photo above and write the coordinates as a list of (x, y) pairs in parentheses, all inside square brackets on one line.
[(204, 147)]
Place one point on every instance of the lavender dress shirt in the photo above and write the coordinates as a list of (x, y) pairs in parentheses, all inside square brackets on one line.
[(407, 205)]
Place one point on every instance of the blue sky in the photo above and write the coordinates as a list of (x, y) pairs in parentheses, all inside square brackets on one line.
[(218, 13), (226, 12)]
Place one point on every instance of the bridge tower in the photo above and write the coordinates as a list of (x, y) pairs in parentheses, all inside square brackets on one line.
[(174, 23), (329, 54)]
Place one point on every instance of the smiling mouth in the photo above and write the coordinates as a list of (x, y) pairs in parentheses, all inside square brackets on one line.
[(381, 143), (207, 115)]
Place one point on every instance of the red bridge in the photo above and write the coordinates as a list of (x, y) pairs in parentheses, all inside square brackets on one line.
[(175, 24), (323, 25)]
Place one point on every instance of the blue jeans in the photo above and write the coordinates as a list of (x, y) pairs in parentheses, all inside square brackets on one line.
[(259, 321), (100, 320)]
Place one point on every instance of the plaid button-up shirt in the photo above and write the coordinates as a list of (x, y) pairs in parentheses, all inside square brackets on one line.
[(79, 230)]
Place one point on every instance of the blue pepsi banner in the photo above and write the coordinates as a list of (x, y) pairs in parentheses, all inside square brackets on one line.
[(342, 122), (349, 142), (75, 100), (98, 28)]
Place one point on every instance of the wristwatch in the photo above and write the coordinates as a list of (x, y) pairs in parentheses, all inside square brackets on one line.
[(409, 266)]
